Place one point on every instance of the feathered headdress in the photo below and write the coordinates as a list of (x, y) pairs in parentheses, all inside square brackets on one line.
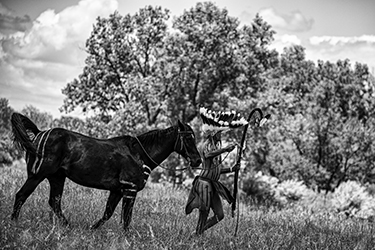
[(220, 121)]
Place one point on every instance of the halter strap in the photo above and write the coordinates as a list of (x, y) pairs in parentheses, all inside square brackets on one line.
[(144, 150), (180, 133)]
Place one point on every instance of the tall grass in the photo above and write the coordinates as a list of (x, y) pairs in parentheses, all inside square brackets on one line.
[(159, 222)]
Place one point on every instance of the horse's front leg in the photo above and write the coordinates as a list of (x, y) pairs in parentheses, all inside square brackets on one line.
[(112, 202), (129, 194)]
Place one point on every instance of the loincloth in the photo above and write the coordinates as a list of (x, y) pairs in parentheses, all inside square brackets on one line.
[(198, 196)]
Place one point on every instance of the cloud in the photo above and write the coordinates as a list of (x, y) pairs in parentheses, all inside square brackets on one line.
[(10, 23), (294, 21), (35, 64), (357, 49), (284, 41), (52, 32), (342, 41), (246, 17)]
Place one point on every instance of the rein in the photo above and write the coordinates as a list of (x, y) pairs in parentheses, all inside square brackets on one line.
[(180, 136), (144, 150), (215, 166)]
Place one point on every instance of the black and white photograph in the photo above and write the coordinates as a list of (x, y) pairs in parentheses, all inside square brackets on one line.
[(181, 125)]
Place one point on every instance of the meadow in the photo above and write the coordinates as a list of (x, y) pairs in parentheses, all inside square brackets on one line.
[(159, 222)]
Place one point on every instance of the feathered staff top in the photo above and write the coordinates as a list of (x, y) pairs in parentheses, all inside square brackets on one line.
[(219, 121)]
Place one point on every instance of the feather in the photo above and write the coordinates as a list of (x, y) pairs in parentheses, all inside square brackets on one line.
[(221, 120)]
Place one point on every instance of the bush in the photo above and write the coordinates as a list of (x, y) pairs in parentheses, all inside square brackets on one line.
[(291, 191), (8, 152), (352, 199), (264, 189), (260, 189)]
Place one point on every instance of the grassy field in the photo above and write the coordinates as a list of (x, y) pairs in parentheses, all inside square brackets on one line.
[(159, 222)]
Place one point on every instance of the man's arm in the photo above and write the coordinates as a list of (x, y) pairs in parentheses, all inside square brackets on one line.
[(231, 169), (219, 151)]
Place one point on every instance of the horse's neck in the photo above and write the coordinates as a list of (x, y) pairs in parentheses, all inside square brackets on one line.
[(161, 147)]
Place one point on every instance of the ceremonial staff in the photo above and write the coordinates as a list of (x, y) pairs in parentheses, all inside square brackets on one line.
[(258, 120)]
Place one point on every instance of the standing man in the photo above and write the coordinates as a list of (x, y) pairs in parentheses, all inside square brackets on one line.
[(206, 190)]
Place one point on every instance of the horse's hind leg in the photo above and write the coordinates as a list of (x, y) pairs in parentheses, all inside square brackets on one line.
[(56, 182), (31, 183), (112, 202)]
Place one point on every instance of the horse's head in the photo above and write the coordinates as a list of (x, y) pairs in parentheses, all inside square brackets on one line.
[(186, 146)]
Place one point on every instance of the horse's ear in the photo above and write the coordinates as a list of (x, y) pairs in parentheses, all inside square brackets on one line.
[(181, 126)]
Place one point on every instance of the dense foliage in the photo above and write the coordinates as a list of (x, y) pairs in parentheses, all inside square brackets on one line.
[(139, 68), (6, 153)]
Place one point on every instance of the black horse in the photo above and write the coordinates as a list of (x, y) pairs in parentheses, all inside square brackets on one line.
[(120, 165)]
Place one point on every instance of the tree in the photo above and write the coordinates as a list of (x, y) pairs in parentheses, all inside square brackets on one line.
[(5, 115), (43, 120), (137, 66), (70, 123), (321, 111), (219, 63), (7, 151), (121, 67), (208, 39)]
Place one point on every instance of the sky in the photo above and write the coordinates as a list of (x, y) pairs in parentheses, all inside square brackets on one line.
[(42, 42)]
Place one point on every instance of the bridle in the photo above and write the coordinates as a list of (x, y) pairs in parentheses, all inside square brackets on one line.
[(180, 136)]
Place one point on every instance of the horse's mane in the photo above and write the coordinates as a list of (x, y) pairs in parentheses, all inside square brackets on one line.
[(155, 136)]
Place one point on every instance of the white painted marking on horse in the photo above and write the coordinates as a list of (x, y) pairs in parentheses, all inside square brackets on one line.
[(127, 183), (131, 190), (28, 154), (41, 147), (31, 135), (37, 136), (129, 193), (37, 149), (146, 168), (27, 158), (43, 150)]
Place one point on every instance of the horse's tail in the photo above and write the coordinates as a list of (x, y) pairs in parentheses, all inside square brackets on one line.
[(24, 131)]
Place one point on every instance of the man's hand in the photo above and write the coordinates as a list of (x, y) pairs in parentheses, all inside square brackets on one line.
[(236, 167), (230, 148)]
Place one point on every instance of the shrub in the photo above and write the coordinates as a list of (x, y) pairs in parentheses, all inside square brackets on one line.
[(260, 189), (291, 191), (8, 152), (353, 200), (269, 190)]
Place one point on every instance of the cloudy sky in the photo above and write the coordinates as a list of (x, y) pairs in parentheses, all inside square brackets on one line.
[(42, 41)]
